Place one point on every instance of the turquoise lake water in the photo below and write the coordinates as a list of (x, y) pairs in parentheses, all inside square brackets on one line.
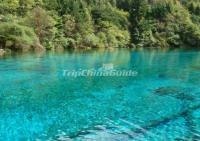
[(161, 103)]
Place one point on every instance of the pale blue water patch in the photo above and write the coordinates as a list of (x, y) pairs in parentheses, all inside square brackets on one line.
[(161, 103)]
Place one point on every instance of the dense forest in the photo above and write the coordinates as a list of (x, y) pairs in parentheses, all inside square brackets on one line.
[(53, 24)]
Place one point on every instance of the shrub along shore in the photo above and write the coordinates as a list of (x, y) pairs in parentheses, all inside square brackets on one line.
[(60, 24)]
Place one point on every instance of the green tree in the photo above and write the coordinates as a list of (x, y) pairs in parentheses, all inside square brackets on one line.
[(9, 6), (25, 6), (44, 25), (138, 10), (15, 36)]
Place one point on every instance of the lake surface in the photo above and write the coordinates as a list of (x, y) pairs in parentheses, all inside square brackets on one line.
[(162, 102)]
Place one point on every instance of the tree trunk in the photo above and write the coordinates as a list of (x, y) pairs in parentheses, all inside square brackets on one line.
[(2, 43)]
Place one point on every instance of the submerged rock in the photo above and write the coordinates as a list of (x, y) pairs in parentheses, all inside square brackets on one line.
[(161, 76), (120, 86)]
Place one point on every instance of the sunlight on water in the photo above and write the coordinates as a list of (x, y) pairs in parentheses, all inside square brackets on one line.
[(161, 103)]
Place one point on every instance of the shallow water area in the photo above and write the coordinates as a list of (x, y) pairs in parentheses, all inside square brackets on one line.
[(162, 102)]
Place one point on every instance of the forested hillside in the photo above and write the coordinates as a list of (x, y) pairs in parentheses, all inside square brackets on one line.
[(51, 24)]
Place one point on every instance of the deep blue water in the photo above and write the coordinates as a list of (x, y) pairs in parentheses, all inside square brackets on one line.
[(161, 103)]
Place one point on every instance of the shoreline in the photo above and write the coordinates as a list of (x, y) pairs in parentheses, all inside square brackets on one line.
[(4, 52)]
